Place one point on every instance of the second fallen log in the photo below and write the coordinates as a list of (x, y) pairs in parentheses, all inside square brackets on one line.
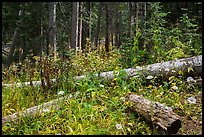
[(155, 112)]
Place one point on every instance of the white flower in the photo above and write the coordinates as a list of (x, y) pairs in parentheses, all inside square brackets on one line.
[(70, 96), (118, 126), (125, 88), (46, 110), (173, 71), (174, 88), (58, 134), (190, 79), (102, 86), (149, 77), (180, 82), (77, 93), (191, 100), (167, 69), (140, 89), (123, 99), (60, 93)]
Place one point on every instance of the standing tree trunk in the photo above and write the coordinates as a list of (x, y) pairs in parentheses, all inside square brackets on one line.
[(74, 28), (137, 17), (98, 23), (90, 11), (119, 29), (14, 39), (118, 22), (41, 29), (80, 28), (52, 28), (131, 19), (107, 29)]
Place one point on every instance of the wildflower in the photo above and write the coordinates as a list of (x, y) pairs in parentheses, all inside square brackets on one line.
[(77, 93), (118, 126), (191, 100), (123, 99), (58, 134), (60, 93), (46, 110), (149, 77), (174, 88), (173, 71), (125, 88), (167, 69), (70, 96), (140, 89), (190, 79), (102, 86)]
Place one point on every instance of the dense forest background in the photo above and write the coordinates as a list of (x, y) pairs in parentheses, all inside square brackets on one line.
[(92, 58), (37, 28)]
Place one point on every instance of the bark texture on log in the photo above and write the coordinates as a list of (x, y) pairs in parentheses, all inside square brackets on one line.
[(156, 113), (164, 68), (35, 111)]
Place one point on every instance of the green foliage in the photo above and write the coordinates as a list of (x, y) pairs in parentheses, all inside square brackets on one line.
[(96, 106), (169, 43)]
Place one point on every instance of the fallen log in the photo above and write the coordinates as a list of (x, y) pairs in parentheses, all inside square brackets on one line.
[(168, 68), (156, 113), (35, 111)]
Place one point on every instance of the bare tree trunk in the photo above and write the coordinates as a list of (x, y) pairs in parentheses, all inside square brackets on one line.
[(74, 28), (15, 37), (80, 28), (52, 28), (98, 24), (129, 19), (41, 29), (90, 13), (137, 17), (119, 31), (107, 29)]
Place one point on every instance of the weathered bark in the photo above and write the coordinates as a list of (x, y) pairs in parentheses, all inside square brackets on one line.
[(156, 113), (35, 111), (164, 68)]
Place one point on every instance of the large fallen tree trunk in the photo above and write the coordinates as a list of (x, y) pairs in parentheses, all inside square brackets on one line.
[(35, 111), (165, 68), (156, 113)]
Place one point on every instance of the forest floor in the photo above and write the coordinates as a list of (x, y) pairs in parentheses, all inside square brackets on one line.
[(192, 124), (100, 100)]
